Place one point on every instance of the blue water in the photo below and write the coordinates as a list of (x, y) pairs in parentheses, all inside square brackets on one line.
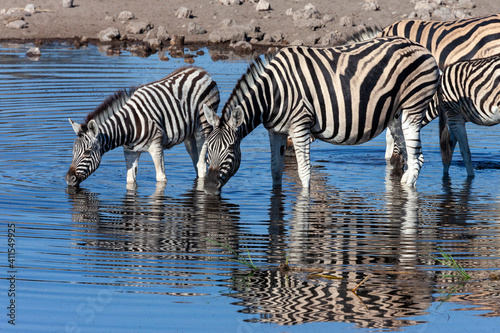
[(104, 258)]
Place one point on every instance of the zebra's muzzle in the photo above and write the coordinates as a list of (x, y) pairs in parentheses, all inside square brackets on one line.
[(212, 183), (72, 179)]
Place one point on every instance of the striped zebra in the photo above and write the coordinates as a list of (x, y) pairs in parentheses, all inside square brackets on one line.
[(154, 117), (448, 41), (345, 95), (469, 92)]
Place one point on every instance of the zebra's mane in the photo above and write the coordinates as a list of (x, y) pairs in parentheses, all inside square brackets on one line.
[(256, 68), (364, 34), (110, 105)]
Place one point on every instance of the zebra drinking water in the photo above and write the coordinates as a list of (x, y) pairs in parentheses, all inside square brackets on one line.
[(344, 95), (154, 117), (469, 92), (448, 41)]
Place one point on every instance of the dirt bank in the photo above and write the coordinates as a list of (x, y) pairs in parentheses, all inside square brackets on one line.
[(155, 23)]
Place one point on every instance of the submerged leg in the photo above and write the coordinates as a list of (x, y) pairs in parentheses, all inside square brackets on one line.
[(278, 146), (132, 161), (156, 151)]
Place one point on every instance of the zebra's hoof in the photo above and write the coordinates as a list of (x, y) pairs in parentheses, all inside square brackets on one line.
[(409, 179)]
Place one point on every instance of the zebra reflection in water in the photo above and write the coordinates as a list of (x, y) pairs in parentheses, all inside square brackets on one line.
[(317, 237), (343, 234), (139, 239)]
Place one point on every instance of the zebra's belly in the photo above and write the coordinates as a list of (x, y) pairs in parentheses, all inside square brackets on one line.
[(165, 141), (347, 140)]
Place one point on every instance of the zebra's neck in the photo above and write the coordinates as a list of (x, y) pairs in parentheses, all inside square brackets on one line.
[(111, 134), (110, 117), (253, 116), (252, 93)]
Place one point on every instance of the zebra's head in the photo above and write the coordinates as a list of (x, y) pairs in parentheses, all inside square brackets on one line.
[(223, 149), (87, 152)]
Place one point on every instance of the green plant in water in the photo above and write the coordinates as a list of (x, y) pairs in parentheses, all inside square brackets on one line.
[(240, 259), (449, 261)]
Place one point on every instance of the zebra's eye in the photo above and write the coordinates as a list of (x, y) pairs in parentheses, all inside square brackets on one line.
[(87, 152)]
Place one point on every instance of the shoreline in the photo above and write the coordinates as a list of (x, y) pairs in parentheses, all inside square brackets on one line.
[(234, 26)]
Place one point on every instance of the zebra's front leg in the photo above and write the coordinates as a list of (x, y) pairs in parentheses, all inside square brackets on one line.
[(132, 161), (278, 147), (457, 129), (197, 149), (415, 159), (301, 142), (389, 144), (156, 151), (398, 155)]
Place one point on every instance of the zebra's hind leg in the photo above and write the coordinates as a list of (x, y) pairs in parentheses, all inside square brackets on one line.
[(132, 161), (411, 132), (278, 147), (457, 129), (156, 151)]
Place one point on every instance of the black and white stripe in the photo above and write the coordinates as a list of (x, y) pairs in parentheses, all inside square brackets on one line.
[(448, 41), (153, 117), (344, 95), (469, 92)]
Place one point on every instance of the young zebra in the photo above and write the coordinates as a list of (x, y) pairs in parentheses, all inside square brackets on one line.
[(344, 95), (448, 41), (154, 117), (469, 92)]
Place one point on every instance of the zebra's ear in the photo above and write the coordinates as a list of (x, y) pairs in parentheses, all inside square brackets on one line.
[(212, 117), (76, 127), (236, 117), (93, 129)]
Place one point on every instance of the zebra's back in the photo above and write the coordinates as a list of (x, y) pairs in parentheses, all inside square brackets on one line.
[(471, 88), (171, 106), (451, 41), (354, 89)]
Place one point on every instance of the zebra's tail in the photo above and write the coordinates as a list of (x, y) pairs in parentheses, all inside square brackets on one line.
[(444, 136), (365, 33)]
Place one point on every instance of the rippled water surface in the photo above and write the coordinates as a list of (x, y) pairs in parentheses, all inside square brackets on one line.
[(104, 258)]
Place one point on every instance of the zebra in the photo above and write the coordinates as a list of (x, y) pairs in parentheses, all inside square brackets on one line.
[(153, 117), (469, 92), (343, 95), (448, 41)]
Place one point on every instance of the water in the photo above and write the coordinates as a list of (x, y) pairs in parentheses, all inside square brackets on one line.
[(104, 258)]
